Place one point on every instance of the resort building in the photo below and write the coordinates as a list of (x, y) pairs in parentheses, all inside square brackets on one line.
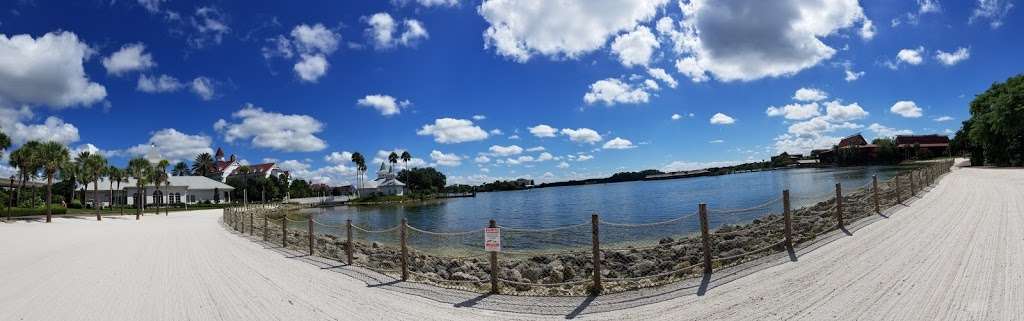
[(180, 190), (387, 183), (227, 168), (911, 146)]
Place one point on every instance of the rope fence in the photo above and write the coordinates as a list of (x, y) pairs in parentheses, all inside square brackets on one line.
[(571, 260)]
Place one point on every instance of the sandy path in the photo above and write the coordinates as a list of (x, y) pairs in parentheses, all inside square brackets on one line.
[(955, 254)]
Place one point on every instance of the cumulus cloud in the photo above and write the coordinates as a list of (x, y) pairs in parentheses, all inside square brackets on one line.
[(521, 29), (795, 111), (479, 117), (837, 112), (676, 117), (992, 10), (952, 58), (16, 124), (288, 133), (450, 160), (131, 57), (536, 149), (311, 44), (582, 135), (753, 39), (160, 84), (334, 174), (203, 87), (342, 157), (635, 47), (504, 151), (618, 143), (543, 131), (660, 74), (907, 109), (173, 145), (852, 75), (384, 104), (482, 159), (311, 67), (883, 131), (428, 3), (383, 28), (943, 118), (451, 131), (210, 26), (809, 94), (46, 71), (563, 165), (721, 119), (612, 91), (814, 133), (908, 56)]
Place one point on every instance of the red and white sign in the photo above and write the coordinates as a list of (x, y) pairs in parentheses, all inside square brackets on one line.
[(492, 239)]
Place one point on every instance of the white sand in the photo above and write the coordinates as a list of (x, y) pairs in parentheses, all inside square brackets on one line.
[(955, 254)]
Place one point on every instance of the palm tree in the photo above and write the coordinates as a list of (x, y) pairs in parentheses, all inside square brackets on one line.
[(140, 169), (181, 169), (79, 172), (393, 159), (5, 142), (122, 176), (159, 176), (96, 165), (113, 174), (406, 157), (52, 157), (360, 163), (26, 159), (244, 170), (203, 165), (167, 184)]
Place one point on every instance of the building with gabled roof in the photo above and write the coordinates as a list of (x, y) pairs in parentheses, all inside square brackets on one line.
[(226, 168)]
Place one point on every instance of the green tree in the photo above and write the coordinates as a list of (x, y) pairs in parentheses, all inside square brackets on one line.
[(114, 174), (181, 169), (425, 180), (96, 166), (53, 157), (888, 152), (140, 169), (997, 123), (5, 142), (244, 171), (159, 176), (406, 157), (26, 160), (393, 158), (203, 165), (360, 163)]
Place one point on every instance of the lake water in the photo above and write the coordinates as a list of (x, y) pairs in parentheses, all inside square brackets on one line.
[(628, 202)]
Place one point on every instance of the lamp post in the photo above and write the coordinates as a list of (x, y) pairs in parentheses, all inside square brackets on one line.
[(11, 196)]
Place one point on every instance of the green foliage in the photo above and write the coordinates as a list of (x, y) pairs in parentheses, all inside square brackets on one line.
[(996, 127), (888, 152), (423, 180), (20, 211)]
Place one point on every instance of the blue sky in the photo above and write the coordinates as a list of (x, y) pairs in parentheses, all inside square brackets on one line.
[(621, 85)]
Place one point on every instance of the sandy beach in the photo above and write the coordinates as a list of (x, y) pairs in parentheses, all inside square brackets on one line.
[(955, 253)]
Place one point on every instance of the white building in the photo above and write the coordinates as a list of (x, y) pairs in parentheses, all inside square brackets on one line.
[(181, 190), (387, 183)]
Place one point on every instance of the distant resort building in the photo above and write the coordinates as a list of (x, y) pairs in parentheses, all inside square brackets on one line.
[(224, 169), (180, 190), (910, 145), (387, 183)]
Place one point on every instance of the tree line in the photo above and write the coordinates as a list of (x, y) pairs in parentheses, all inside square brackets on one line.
[(994, 134)]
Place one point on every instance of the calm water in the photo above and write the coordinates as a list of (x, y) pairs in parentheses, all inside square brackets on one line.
[(630, 202)]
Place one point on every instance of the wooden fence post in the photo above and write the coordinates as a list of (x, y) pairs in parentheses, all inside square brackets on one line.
[(898, 200), (311, 236), (787, 218), (595, 241), (284, 231), (494, 263), (405, 251), (705, 236), (912, 193), (348, 243), (252, 223), (265, 225), (839, 205), (874, 190)]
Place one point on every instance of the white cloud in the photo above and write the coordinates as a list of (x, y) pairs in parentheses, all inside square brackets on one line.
[(582, 135), (716, 141), (563, 165), (618, 143), (906, 109), (545, 156), (910, 56), (835, 111), (334, 174), (451, 131), (513, 137), (161, 84), (450, 160), (503, 151), (883, 131), (210, 25), (131, 57), (482, 159), (797, 144), (660, 74), (496, 132), (382, 29), (952, 58), (288, 133), (635, 47), (520, 29), (943, 118), (612, 91), (676, 117), (852, 75), (311, 67), (479, 117), (795, 111), (542, 131), (315, 39), (752, 39), (993, 10), (535, 149), (13, 123), (429, 3), (384, 104), (809, 94), (819, 125), (584, 157), (173, 145), (203, 87), (929, 6), (867, 30), (47, 70), (721, 119), (342, 157)]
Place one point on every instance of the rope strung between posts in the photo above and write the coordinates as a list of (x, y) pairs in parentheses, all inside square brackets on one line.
[(568, 252), (326, 225), (291, 220), (662, 274), (440, 280), (729, 258), (748, 209), (647, 247), (376, 231), (463, 257), (648, 224), (585, 280), (513, 229), (410, 227)]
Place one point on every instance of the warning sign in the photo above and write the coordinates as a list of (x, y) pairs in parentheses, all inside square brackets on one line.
[(492, 239)]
